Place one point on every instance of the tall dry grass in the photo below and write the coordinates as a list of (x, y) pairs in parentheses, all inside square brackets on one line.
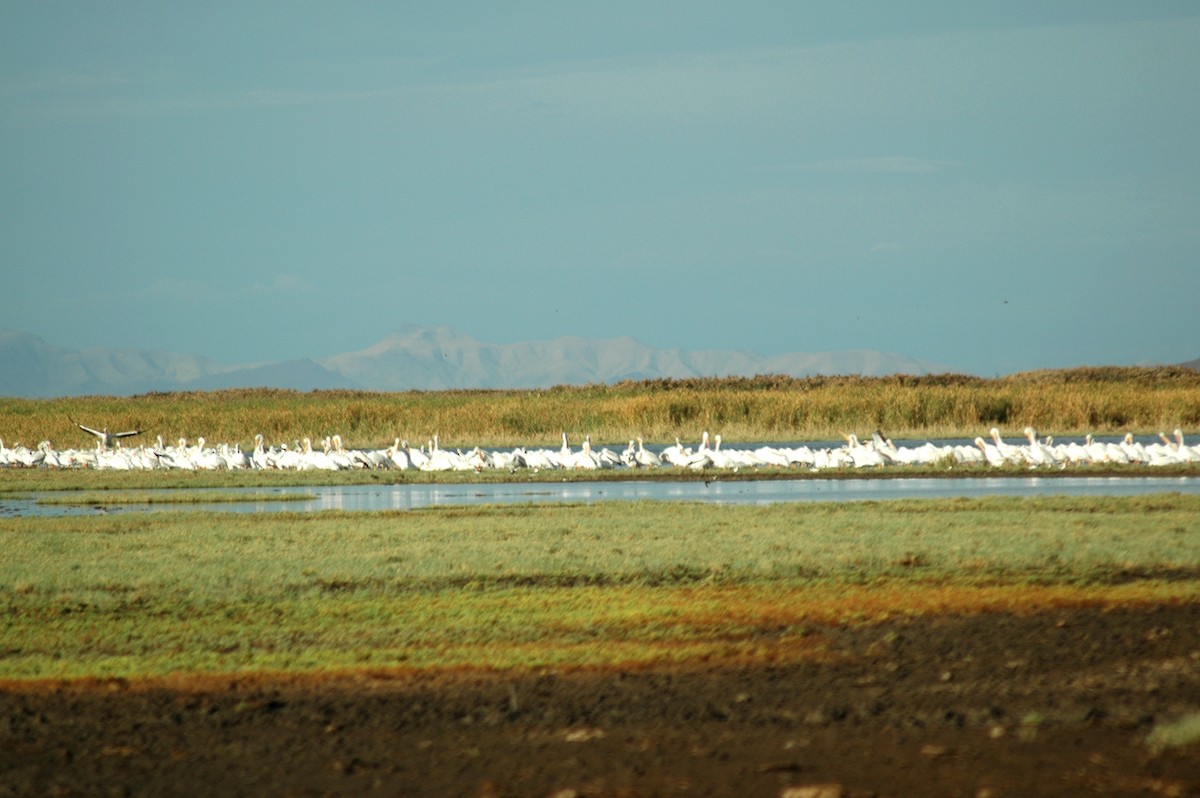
[(765, 408)]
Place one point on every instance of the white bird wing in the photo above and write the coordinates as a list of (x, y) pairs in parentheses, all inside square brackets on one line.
[(95, 432)]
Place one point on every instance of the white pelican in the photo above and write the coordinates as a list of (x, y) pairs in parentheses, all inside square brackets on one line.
[(341, 457), (538, 459), (861, 455), (991, 453), (645, 458), (628, 456), (1135, 451), (105, 437), (1009, 452), (259, 458), (1186, 453), (676, 455), (564, 458), (719, 458), (798, 456), (289, 458), (477, 459), (398, 454), (1039, 454), (233, 456), (697, 460), (608, 458), (884, 446), (771, 456), (585, 458), (29, 457), (315, 458), (510, 460), (1097, 452), (205, 457), (440, 459), (417, 459)]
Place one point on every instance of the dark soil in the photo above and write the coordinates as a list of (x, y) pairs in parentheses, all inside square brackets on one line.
[(1053, 704)]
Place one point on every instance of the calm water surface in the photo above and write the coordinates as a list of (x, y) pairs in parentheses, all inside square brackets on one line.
[(411, 497)]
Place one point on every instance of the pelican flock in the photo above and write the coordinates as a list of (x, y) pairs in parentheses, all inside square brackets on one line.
[(331, 454)]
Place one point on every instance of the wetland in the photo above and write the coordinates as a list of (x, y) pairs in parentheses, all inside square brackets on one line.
[(1007, 633)]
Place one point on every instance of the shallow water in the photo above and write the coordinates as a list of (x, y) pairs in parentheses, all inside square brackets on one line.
[(411, 497)]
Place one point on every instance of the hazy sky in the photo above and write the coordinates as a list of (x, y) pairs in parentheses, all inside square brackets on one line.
[(990, 186)]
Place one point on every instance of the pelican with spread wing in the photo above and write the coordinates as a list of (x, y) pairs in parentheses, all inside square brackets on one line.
[(105, 437)]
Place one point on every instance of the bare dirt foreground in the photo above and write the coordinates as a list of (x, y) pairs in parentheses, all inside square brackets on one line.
[(1057, 703)]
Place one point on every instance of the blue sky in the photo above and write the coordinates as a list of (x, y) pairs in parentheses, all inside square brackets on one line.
[(989, 186)]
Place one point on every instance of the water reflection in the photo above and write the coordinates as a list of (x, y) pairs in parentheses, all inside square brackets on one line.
[(411, 497)]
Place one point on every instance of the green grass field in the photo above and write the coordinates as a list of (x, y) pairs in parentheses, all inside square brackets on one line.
[(528, 586)]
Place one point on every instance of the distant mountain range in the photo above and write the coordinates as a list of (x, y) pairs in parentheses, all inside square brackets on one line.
[(412, 358)]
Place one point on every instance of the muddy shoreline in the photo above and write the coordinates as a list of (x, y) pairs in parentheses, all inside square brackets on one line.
[(1054, 703)]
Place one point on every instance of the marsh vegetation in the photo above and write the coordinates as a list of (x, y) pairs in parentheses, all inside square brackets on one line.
[(977, 644), (1100, 401), (527, 585)]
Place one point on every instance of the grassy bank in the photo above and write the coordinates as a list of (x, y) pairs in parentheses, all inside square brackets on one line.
[(530, 585), (108, 497), (1141, 400), (23, 481)]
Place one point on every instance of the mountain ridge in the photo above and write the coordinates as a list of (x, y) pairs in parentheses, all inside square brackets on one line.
[(445, 358), (412, 357)]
